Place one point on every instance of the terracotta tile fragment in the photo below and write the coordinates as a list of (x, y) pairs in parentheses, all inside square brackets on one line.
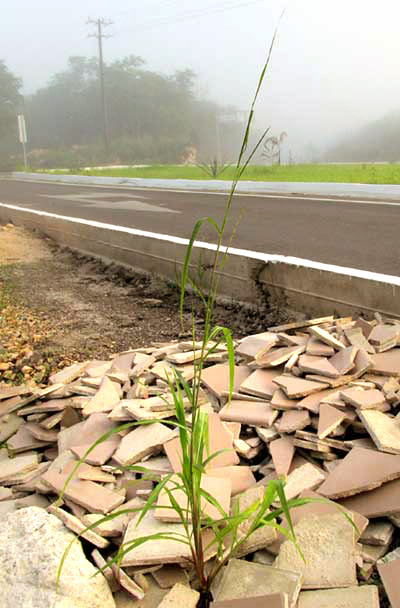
[(220, 439), (260, 383), (217, 377), (328, 545), (107, 572), (293, 420), (384, 431), (93, 496), (343, 360), (295, 388), (261, 538), (366, 596), (361, 399), (68, 374), (249, 412), (317, 348), (280, 401), (272, 600), (24, 441), (282, 452), (300, 324), (388, 363), (329, 419), (277, 356), (241, 477), (390, 575), (252, 345), (74, 524), (361, 470), (305, 477), (167, 576), (105, 399), (380, 502), (244, 580), (378, 533), (143, 441), (219, 488), (317, 365), (327, 338), (180, 596), (154, 551)]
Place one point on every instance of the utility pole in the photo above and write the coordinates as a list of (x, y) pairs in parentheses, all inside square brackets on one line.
[(100, 24)]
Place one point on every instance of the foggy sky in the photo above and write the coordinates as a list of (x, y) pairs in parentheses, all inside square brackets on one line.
[(334, 67)]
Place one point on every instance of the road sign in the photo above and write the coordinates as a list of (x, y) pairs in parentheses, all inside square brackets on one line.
[(22, 129)]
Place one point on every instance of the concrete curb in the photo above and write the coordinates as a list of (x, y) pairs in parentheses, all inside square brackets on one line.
[(250, 277), (365, 191)]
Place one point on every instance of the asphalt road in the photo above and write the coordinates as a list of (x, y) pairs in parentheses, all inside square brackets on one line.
[(363, 235)]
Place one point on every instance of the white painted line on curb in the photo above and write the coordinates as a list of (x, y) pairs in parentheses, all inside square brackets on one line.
[(293, 196), (255, 255)]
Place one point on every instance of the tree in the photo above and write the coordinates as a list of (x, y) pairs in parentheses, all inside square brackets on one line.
[(10, 100), (152, 117)]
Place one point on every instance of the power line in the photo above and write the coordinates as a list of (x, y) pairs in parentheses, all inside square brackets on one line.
[(189, 16), (100, 24)]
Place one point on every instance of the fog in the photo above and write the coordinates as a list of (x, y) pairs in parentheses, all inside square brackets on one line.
[(334, 66)]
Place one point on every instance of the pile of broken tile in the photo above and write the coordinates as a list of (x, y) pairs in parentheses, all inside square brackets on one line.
[(314, 401)]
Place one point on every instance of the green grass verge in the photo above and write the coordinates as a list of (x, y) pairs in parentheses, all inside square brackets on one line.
[(352, 173)]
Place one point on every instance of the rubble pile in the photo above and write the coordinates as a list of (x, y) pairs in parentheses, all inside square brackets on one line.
[(315, 402)]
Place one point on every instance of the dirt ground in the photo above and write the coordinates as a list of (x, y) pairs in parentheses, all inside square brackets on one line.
[(57, 307)]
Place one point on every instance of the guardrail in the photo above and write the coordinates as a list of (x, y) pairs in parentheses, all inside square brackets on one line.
[(250, 277)]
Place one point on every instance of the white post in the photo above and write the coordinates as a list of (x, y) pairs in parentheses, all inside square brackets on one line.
[(22, 137)]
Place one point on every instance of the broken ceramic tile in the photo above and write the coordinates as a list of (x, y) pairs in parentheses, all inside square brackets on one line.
[(180, 596), (282, 452), (296, 388), (293, 420), (243, 579), (387, 363), (218, 488), (219, 439), (241, 477), (305, 477), (363, 399), (154, 551), (217, 378), (168, 576), (384, 431), (280, 401), (378, 533), (329, 419), (361, 470), (380, 502), (327, 338), (328, 545), (390, 573), (366, 596), (272, 600), (74, 524), (143, 441), (249, 412), (260, 383), (261, 538), (317, 365), (105, 399)]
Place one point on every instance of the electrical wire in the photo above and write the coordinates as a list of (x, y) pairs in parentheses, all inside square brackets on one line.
[(190, 16)]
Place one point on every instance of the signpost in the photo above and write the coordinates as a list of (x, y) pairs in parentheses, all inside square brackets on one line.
[(22, 136)]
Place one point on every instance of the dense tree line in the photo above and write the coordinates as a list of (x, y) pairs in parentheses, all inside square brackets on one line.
[(377, 141), (152, 117)]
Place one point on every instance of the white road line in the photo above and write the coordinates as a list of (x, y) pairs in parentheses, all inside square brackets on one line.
[(255, 255), (293, 196)]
